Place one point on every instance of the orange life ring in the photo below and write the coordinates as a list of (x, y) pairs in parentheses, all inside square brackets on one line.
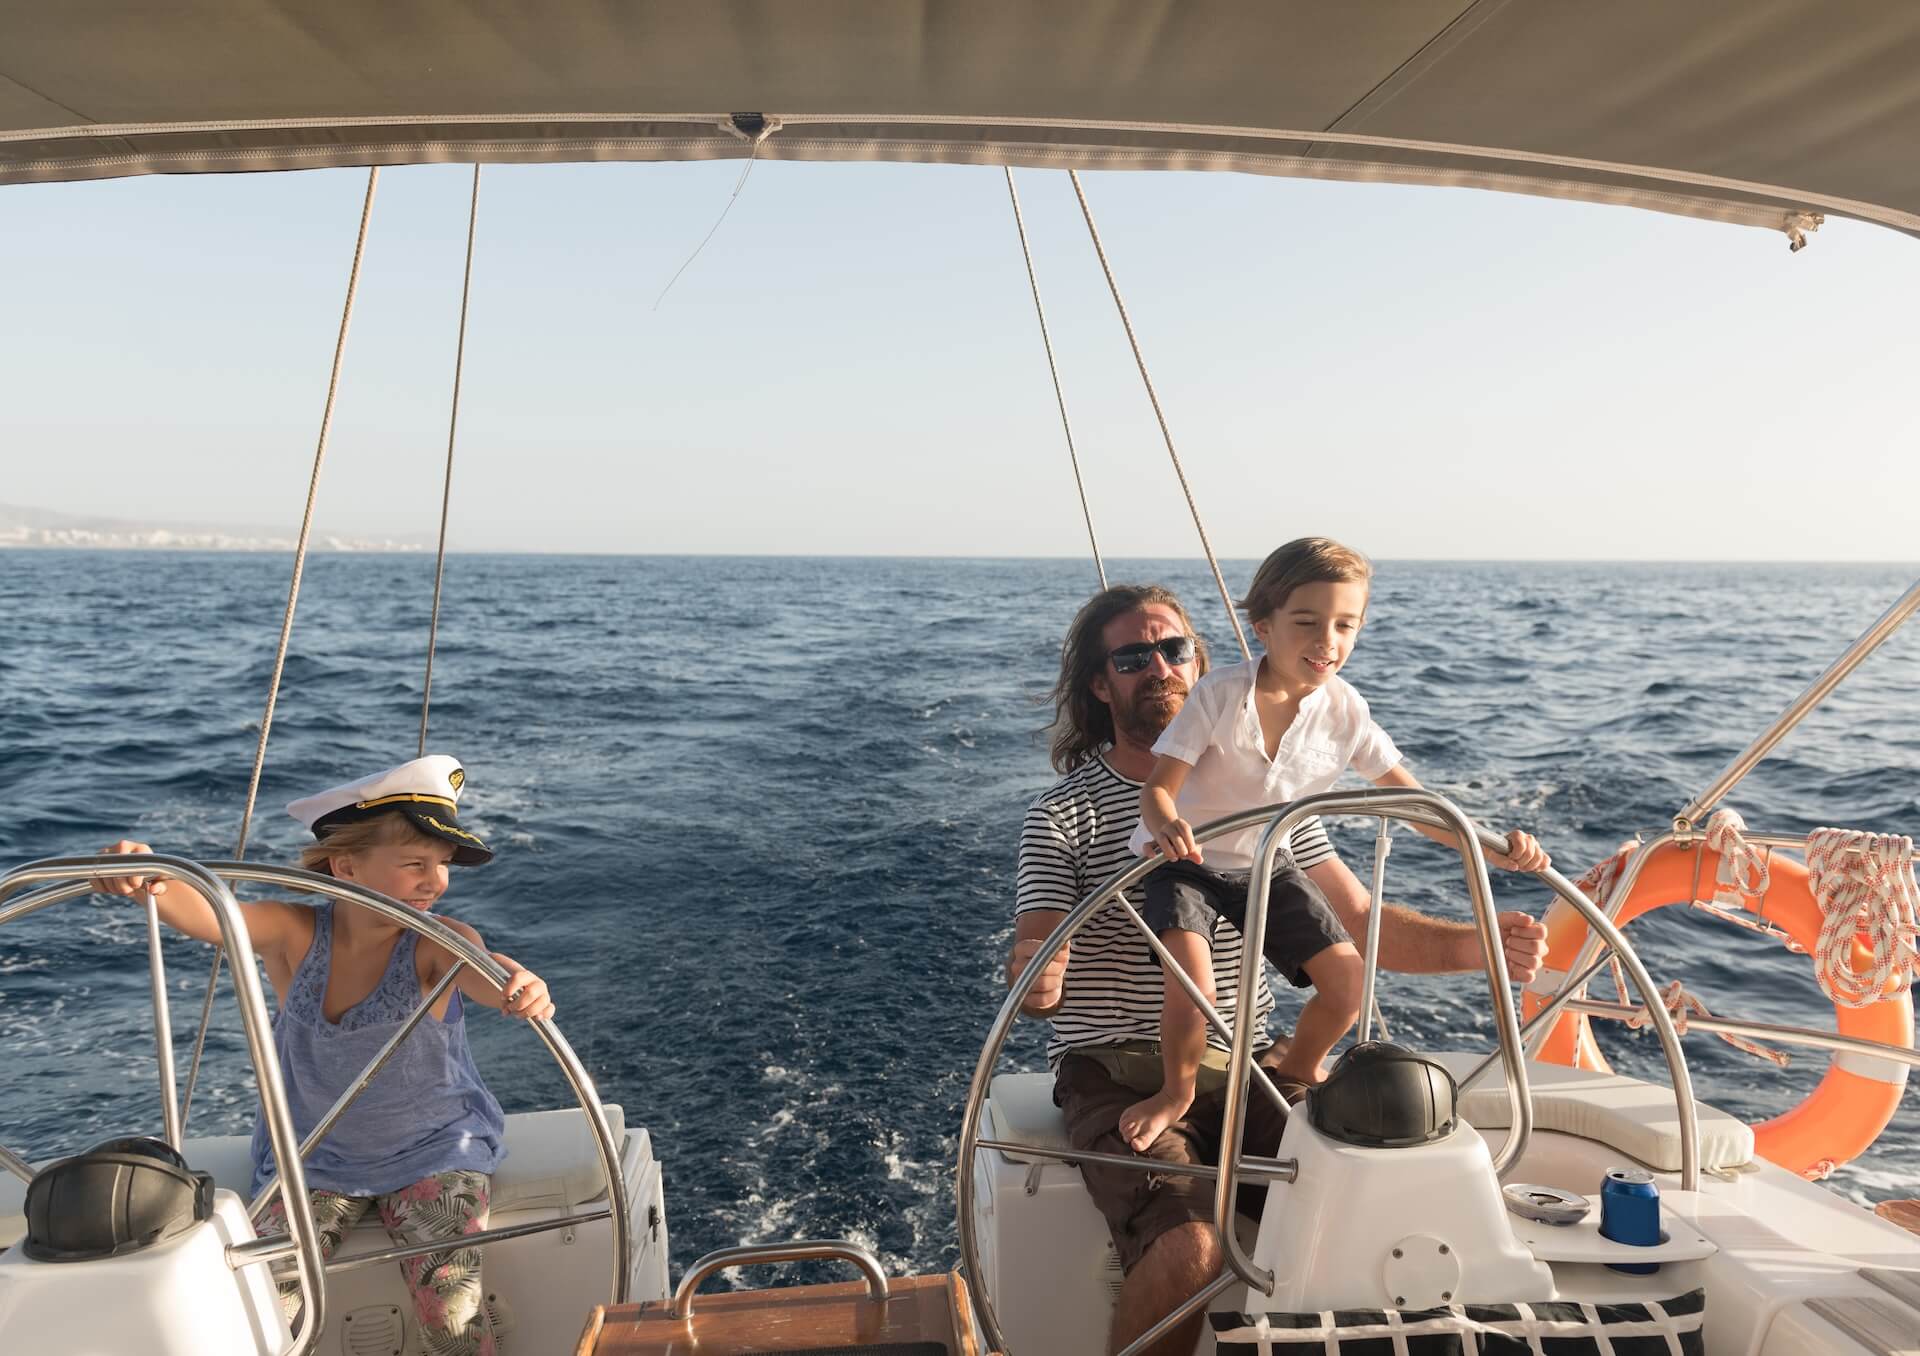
[(1859, 1093)]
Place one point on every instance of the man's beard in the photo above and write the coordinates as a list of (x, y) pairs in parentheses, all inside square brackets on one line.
[(1151, 707)]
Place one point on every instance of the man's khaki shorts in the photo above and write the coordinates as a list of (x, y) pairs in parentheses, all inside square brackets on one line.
[(1141, 1206)]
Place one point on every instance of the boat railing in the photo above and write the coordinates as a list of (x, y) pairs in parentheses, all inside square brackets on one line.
[(1414, 806), (212, 879), (1594, 951), (762, 1254)]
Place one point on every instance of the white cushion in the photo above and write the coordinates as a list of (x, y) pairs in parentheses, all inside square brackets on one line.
[(1022, 1111), (1638, 1119), (551, 1160), (551, 1163)]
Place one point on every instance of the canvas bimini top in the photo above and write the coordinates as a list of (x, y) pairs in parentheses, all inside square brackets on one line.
[(1765, 112)]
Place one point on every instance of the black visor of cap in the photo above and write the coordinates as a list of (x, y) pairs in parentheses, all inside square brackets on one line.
[(468, 850), (432, 818)]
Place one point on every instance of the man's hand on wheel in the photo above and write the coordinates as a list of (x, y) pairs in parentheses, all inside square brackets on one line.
[(1047, 985), (1524, 938)]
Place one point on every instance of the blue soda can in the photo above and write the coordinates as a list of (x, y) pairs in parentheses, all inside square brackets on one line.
[(1630, 1213)]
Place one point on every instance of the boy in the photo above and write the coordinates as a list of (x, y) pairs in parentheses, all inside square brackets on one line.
[(1267, 732)]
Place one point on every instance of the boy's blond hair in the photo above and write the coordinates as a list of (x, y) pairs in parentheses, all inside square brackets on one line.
[(1305, 560), (343, 840)]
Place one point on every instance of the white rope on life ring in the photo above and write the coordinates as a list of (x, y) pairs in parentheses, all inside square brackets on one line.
[(1866, 888), (1743, 872)]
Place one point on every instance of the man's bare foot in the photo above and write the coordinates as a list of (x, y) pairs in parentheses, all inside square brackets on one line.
[(1142, 1123)]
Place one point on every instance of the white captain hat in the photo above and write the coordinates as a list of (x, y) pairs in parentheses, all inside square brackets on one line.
[(426, 791)]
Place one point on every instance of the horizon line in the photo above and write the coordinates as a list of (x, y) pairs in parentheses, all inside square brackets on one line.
[(890, 555)]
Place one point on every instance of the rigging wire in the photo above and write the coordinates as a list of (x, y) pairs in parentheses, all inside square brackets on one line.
[(286, 621), (738, 184), (446, 489), (1159, 414), (1059, 396)]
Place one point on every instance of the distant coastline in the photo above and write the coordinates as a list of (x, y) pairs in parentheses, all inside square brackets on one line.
[(31, 528)]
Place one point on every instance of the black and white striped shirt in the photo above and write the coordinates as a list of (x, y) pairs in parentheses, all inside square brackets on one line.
[(1074, 837)]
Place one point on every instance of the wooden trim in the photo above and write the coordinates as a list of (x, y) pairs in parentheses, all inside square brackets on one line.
[(590, 1335), (792, 1318)]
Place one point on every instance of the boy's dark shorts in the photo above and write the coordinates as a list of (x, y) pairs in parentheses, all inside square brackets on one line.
[(1141, 1206), (1300, 922)]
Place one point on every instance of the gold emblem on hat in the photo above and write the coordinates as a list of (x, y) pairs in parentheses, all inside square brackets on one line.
[(448, 828), (455, 777)]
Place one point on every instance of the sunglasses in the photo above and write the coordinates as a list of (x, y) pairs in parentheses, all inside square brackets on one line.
[(1176, 650)]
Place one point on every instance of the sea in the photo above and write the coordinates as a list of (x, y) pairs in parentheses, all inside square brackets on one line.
[(756, 818)]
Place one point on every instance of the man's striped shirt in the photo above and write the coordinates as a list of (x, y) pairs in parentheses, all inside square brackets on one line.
[(1074, 837)]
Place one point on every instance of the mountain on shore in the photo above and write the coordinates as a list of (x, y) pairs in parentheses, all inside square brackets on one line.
[(32, 527)]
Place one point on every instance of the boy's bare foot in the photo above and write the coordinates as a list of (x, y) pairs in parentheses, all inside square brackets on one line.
[(1142, 1123)]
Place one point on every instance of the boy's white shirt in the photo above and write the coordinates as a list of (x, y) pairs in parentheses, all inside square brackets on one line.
[(1217, 732)]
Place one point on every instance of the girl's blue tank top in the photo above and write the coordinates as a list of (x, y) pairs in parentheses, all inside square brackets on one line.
[(426, 1112)]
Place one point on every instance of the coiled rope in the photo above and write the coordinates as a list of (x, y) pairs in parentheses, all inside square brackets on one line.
[(1059, 396), (1743, 872), (446, 490), (286, 621), (1165, 432), (1866, 889)]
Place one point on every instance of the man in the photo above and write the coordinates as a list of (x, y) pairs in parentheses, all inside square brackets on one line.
[(1126, 666)]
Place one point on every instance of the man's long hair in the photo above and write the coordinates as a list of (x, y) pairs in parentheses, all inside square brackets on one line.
[(1082, 724)]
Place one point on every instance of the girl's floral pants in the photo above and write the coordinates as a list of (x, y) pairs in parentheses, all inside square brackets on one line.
[(447, 1298)]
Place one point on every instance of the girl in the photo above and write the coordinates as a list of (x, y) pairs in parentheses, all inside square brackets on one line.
[(423, 1138)]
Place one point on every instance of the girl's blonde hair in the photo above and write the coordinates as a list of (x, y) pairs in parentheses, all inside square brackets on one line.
[(1306, 560), (343, 840)]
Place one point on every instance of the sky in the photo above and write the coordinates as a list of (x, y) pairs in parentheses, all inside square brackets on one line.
[(852, 365)]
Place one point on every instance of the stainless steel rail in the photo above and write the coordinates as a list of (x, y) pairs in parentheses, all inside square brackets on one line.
[(275, 1247), (1369, 1006), (37, 900), (1786, 1035), (162, 1026), (1266, 1169), (15, 1164), (1192, 1304), (1187, 985), (253, 1018), (806, 1250), (1869, 640)]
